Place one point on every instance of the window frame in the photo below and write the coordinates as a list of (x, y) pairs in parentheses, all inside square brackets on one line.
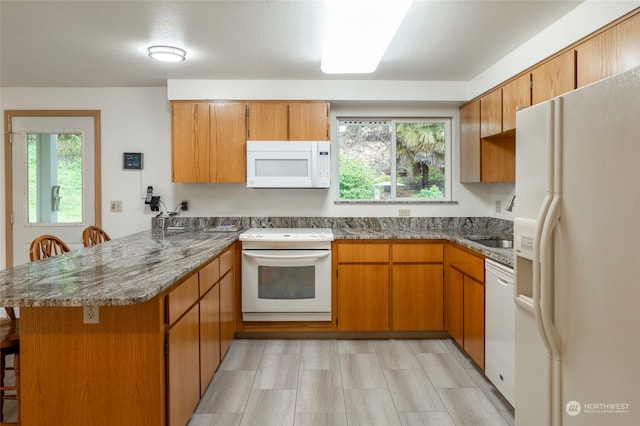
[(393, 198)]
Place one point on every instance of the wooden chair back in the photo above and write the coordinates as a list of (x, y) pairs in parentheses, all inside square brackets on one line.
[(93, 235), (46, 246)]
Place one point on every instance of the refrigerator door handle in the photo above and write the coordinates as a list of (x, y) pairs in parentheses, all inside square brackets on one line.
[(547, 284), (537, 309), (546, 276)]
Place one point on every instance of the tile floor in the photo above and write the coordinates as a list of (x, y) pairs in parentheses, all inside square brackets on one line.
[(350, 382)]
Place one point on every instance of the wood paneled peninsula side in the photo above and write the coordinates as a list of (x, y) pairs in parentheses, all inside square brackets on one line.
[(115, 370)]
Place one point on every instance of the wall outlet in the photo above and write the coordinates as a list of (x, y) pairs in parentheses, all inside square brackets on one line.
[(184, 206), (90, 314), (116, 206), (498, 206), (404, 212)]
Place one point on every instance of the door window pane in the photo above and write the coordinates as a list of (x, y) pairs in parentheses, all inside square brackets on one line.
[(54, 177)]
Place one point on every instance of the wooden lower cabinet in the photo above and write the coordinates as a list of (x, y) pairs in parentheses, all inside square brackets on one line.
[(227, 312), (210, 341), (183, 367), (473, 314), (464, 301), (386, 286), (363, 297), (453, 288), (417, 297)]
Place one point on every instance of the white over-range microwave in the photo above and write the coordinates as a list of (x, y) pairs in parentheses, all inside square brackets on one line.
[(285, 164)]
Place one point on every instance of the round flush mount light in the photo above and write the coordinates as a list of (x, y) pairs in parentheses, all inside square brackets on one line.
[(167, 53)]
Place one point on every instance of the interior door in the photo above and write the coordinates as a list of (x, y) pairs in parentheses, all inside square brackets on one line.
[(53, 181)]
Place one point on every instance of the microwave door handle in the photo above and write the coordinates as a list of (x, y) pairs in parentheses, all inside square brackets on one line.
[(279, 256)]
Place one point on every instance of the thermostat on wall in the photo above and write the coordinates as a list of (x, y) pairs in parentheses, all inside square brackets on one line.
[(132, 160)]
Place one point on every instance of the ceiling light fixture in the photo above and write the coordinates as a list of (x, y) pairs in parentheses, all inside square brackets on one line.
[(167, 53), (358, 32)]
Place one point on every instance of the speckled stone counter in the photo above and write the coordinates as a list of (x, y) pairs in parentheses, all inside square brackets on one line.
[(124, 271), (456, 229), (136, 268)]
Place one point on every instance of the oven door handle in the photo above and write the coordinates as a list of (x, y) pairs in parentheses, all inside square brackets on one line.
[(279, 256)]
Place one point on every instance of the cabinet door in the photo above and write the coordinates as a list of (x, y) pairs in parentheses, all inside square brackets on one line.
[(189, 142), (363, 297), (268, 121), (363, 253), (209, 336), (628, 45), (553, 78), (516, 93), (183, 368), (227, 312), (417, 297), (498, 159), (309, 121), (228, 136), (470, 142), (611, 52), (473, 319), (491, 113), (453, 288)]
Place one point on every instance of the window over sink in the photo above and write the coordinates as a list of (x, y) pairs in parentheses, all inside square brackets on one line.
[(421, 171)]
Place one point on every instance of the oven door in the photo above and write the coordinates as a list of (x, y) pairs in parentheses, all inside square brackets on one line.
[(286, 285)]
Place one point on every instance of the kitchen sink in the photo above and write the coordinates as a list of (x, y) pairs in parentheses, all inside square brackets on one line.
[(494, 242)]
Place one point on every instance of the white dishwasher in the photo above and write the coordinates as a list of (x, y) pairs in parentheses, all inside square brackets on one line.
[(500, 336)]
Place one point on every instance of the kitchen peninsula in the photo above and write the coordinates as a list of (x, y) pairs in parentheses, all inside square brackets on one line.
[(112, 371), (145, 286)]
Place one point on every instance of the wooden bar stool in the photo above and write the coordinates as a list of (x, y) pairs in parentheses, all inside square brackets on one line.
[(93, 235), (9, 345)]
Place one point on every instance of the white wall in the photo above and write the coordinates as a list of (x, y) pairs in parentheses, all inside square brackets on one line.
[(138, 119)]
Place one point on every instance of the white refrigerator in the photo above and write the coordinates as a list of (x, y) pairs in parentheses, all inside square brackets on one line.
[(577, 257)]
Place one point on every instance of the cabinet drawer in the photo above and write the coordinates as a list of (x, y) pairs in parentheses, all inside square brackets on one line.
[(466, 262), (414, 253), (209, 275), (364, 253), (181, 298), (226, 261)]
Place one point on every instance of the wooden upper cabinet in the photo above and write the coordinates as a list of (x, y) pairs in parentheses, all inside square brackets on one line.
[(470, 142), (628, 49), (208, 142), (516, 93), (228, 138), (491, 113), (553, 78), (309, 121), (190, 142), (268, 121), (611, 52), (289, 121)]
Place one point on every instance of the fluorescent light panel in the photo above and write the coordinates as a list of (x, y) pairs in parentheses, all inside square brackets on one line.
[(358, 32)]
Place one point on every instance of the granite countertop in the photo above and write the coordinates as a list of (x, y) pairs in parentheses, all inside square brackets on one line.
[(123, 271), (138, 267)]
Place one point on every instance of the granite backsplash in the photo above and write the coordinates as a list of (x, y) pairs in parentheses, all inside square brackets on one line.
[(464, 225)]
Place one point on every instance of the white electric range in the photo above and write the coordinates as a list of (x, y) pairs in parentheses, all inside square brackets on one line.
[(286, 274)]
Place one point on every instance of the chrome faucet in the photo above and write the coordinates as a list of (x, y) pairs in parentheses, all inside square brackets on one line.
[(511, 202)]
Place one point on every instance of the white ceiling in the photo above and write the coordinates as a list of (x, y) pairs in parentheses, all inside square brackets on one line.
[(103, 43)]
